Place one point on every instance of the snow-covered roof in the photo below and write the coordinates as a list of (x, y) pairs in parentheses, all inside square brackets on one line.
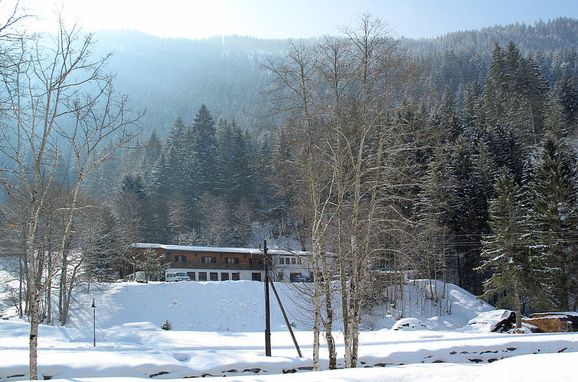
[(194, 248)]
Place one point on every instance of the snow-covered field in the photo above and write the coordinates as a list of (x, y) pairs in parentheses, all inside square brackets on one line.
[(217, 331)]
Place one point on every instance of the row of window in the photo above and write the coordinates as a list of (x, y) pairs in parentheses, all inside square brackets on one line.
[(206, 259), (289, 260), (234, 260), (224, 276)]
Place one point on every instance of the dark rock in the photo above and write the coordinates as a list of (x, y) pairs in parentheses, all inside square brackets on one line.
[(159, 373)]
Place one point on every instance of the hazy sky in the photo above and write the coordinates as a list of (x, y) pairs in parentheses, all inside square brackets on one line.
[(292, 18)]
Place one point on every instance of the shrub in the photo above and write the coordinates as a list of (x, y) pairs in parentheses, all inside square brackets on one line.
[(167, 325)]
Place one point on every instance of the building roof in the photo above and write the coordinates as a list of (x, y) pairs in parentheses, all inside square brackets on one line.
[(187, 248)]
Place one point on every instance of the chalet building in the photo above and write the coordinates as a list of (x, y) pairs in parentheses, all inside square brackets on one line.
[(223, 264)]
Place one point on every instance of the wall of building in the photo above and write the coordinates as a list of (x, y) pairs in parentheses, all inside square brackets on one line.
[(217, 274)]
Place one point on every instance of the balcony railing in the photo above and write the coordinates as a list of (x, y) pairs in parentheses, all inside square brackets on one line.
[(199, 265)]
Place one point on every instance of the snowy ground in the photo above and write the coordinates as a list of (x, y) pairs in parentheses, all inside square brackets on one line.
[(217, 331)]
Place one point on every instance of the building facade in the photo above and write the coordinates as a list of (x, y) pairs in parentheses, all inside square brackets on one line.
[(224, 264)]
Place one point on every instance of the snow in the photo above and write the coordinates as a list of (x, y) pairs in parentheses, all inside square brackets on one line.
[(489, 321), (8, 283), (218, 331), (543, 367), (409, 324)]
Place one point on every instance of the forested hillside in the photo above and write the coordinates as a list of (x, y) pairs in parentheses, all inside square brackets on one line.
[(171, 77)]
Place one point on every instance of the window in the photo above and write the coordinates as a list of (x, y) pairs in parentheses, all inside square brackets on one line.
[(208, 260), (224, 276), (281, 260), (256, 276), (299, 260), (191, 275), (293, 260), (180, 258), (231, 260), (202, 276), (235, 276), (214, 276), (296, 277)]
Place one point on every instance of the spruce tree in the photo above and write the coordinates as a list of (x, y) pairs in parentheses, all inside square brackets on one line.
[(204, 148), (506, 259), (435, 258), (553, 191)]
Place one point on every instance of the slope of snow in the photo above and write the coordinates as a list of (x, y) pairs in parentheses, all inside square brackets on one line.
[(441, 306), (238, 306), (218, 331), (228, 306)]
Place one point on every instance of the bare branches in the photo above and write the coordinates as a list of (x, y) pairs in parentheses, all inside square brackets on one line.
[(60, 121), (339, 94)]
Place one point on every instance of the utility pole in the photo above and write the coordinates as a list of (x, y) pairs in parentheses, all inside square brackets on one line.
[(267, 305), (93, 323), (267, 302)]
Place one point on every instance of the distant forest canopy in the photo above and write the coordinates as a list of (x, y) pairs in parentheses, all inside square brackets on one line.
[(174, 77)]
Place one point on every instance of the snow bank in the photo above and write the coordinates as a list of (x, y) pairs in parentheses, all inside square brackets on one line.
[(441, 306), (528, 368)]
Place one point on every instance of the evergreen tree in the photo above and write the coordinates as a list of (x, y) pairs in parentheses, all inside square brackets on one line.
[(435, 259), (566, 90), (471, 111), (224, 160), (506, 255), (151, 152), (204, 149), (553, 191)]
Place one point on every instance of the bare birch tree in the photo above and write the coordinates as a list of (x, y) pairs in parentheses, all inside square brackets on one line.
[(295, 92), (340, 94), (60, 105)]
